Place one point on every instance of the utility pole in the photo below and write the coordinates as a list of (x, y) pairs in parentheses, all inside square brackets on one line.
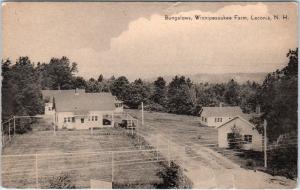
[(142, 113), (265, 143)]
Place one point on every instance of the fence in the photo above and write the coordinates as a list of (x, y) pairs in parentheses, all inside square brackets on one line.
[(14, 125), (35, 170), (132, 164)]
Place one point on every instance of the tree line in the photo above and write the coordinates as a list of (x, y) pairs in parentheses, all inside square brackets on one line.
[(277, 95)]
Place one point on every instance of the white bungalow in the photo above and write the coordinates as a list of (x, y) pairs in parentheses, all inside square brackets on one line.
[(80, 110), (251, 139), (84, 110), (216, 116)]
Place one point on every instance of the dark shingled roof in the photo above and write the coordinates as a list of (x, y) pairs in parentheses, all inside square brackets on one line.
[(49, 94), (221, 111), (84, 102)]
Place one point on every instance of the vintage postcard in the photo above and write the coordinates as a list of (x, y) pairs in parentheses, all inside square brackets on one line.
[(149, 95)]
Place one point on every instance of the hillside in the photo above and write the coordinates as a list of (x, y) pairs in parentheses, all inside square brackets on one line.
[(222, 77)]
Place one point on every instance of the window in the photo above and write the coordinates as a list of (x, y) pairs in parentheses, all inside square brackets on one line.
[(92, 118), (248, 139), (205, 120), (49, 108), (202, 118), (82, 120), (73, 119), (65, 119), (69, 119), (218, 119), (96, 118)]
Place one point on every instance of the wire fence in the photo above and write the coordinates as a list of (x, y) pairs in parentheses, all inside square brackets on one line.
[(122, 164)]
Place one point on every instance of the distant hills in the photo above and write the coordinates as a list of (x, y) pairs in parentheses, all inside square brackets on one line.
[(222, 77)]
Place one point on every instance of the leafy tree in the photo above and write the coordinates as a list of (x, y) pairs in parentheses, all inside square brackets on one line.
[(137, 93), (58, 73), (79, 82), (179, 98), (119, 87), (100, 78), (21, 90), (93, 86), (278, 97), (231, 93), (159, 95)]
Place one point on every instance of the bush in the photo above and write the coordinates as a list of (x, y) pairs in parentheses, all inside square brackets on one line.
[(250, 164), (283, 161), (235, 138), (23, 125), (173, 177), (63, 181)]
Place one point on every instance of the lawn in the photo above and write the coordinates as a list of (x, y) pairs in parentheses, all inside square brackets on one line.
[(83, 155)]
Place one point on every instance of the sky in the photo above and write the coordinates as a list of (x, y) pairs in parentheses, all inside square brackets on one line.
[(135, 40)]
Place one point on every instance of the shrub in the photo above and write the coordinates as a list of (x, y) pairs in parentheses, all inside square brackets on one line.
[(283, 161), (23, 125), (63, 181), (250, 164), (173, 177), (235, 138)]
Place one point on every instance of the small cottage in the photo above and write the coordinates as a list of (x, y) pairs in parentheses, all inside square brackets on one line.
[(216, 116), (249, 137), (76, 109), (84, 110)]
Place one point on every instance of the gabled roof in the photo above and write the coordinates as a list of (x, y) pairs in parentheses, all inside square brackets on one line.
[(49, 94), (84, 102), (230, 111), (235, 118)]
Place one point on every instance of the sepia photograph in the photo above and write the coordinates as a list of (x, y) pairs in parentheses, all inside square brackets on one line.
[(149, 95)]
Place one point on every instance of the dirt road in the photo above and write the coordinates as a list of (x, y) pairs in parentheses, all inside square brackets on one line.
[(202, 165)]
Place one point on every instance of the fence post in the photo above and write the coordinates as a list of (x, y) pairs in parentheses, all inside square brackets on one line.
[(169, 155), (9, 137), (14, 125), (2, 132), (36, 171), (142, 113), (265, 143), (112, 167), (156, 148)]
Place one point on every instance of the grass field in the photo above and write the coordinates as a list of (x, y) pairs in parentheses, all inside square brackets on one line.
[(81, 155), (186, 130), (196, 148)]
